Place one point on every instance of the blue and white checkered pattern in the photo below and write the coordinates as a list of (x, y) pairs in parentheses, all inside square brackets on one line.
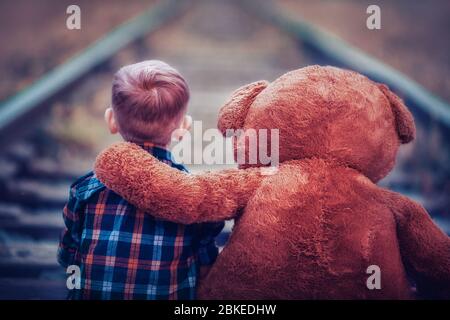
[(125, 253)]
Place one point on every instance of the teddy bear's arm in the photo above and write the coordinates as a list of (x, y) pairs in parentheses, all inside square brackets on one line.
[(425, 249), (170, 194)]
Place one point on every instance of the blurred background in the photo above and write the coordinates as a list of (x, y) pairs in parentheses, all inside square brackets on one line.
[(55, 86)]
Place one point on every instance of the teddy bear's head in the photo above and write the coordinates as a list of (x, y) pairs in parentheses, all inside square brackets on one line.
[(324, 112)]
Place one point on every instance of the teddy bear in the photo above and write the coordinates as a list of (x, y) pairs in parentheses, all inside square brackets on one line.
[(319, 227)]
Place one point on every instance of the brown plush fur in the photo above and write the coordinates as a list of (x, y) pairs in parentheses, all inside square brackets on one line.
[(312, 229)]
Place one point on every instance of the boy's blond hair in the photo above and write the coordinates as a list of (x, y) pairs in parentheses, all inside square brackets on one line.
[(149, 100)]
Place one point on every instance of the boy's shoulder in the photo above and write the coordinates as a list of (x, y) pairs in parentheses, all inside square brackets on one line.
[(86, 186)]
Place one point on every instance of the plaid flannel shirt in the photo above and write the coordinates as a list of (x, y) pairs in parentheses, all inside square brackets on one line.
[(125, 253)]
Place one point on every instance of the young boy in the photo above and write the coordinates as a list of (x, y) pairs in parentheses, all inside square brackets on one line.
[(122, 252)]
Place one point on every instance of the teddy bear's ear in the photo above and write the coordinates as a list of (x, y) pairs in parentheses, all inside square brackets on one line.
[(232, 115), (404, 120)]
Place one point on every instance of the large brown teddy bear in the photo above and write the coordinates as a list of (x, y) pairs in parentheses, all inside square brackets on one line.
[(312, 229)]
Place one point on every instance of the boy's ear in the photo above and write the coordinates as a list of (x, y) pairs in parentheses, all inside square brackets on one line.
[(232, 115), (111, 121), (187, 123), (404, 120), (185, 126)]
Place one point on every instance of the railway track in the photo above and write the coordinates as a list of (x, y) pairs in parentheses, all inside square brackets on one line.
[(218, 46)]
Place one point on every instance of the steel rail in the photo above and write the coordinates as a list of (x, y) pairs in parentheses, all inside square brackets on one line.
[(329, 49), (42, 91)]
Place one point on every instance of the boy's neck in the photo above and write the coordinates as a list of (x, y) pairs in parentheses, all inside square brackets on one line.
[(151, 144)]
